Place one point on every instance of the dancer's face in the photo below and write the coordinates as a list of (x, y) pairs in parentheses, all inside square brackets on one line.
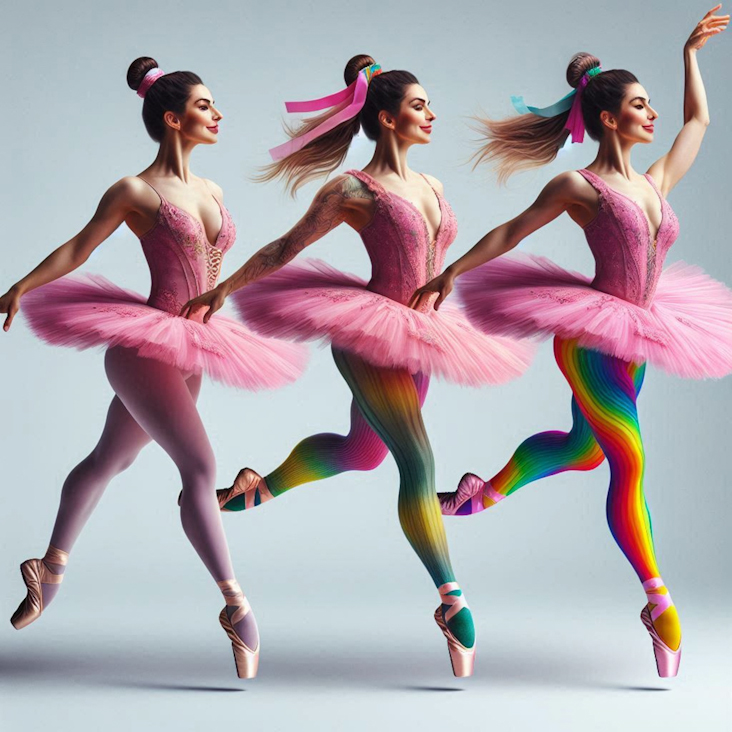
[(413, 122), (635, 120), (199, 122)]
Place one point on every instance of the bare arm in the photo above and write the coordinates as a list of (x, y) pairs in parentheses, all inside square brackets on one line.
[(112, 210), (672, 167), (331, 206), (558, 196)]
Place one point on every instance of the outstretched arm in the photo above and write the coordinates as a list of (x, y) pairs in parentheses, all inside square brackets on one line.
[(561, 193), (673, 166), (333, 204), (115, 205)]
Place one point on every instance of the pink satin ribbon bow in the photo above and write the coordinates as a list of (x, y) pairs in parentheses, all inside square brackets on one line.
[(148, 80), (350, 100)]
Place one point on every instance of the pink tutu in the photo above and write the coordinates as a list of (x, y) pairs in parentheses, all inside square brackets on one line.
[(687, 330), (312, 300), (90, 311)]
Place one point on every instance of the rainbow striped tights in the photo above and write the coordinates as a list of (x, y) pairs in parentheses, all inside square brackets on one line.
[(386, 417), (605, 425)]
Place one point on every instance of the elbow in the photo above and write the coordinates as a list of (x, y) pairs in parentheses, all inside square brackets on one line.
[(78, 257)]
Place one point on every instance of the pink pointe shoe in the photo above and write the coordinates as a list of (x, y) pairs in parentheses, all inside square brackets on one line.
[(245, 658), (470, 491), (35, 573), (247, 482), (461, 658), (667, 660)]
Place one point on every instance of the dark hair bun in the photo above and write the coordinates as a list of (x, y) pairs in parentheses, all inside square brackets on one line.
[(358, 62), (580, 64), (138, 68)]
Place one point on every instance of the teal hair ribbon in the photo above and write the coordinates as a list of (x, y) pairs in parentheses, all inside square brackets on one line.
[(563, 105)]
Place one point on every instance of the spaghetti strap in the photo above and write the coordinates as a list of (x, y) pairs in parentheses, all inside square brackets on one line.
[(160, 195), (437, 193), (594, 180)]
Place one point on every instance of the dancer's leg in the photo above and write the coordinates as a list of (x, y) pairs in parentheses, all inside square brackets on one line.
[(325, 455), (121, 441), (539, 456), (605, 389), (160, 401), (389, 401)]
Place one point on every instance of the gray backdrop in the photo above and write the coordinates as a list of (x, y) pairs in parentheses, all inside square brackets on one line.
[(343, 605)]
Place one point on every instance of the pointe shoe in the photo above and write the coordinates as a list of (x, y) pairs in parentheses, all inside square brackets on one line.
[(667, 660), (35, 573), (471, 490), (247, 482), (461, 658), (245, 658)]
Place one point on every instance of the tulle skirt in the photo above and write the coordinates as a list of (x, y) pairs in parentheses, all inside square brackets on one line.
[(687, 330), (312, 300), (88, 311)]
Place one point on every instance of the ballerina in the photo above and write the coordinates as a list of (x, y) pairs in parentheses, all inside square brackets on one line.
[(606, 329), (385, 351), (154, 359)]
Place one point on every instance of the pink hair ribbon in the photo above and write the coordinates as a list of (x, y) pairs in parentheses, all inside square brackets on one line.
[(148, 80), (350, 100)]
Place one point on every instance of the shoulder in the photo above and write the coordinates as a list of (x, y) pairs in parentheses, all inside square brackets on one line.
[(344, 188), (568, 187), (436, 184), (218, 191), (130, 193)]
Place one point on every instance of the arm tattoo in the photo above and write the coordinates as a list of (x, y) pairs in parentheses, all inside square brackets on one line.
[(327, 211)]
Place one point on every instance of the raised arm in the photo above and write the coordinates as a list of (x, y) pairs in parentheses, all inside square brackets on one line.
[(112, 210), (566, 192), (672, 167), (339, 200)]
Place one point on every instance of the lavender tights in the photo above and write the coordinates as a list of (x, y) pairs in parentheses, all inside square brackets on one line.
[(157, 402)]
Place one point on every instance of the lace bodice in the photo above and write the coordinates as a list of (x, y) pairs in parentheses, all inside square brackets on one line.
[(628, 262), (398, 243), (183, 263)]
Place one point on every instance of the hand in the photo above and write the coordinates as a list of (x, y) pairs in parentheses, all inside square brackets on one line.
[(10, 304), (710, 25), (213, 300), (442, 284)]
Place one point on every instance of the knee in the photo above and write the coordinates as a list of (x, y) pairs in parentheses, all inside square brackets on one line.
[(105, 463), (590, 456), (369, 457), (199, 473)]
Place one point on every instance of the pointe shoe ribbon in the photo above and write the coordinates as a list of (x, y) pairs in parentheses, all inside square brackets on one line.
[(661, 601), (234, 597), (455, 602)]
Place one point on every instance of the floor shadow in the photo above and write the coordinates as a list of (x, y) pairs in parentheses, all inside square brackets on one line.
[(643, 688), (426, 688), (171, 687)]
